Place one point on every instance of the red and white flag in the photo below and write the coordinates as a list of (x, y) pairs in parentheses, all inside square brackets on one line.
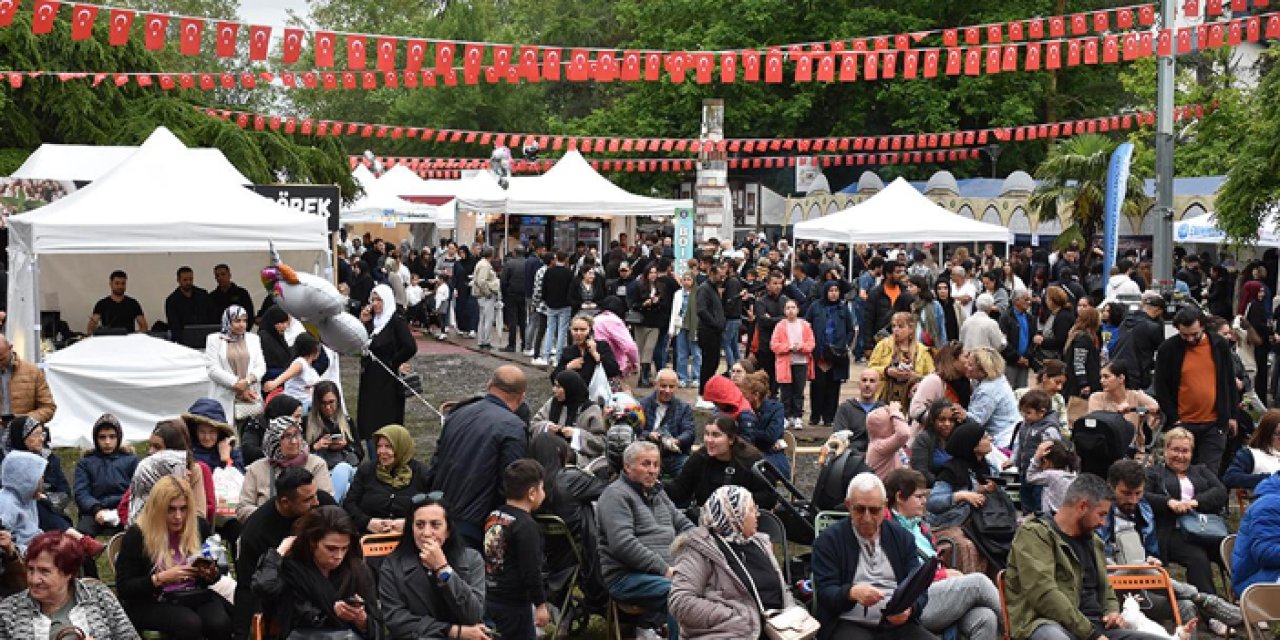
[(226, 41), (157, 26), (191, 30), (82, 18), (259, 41), (121, 25), (43, 16)]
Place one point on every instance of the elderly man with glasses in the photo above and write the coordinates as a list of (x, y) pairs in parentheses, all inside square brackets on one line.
[(858, 564), (1195, 386)]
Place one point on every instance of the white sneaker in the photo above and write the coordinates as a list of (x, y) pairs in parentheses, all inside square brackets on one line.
[(539, 362), (704, 404), (471, 334), (528, 352)]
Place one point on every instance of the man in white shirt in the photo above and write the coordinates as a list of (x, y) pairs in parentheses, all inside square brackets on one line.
[(979, 329)]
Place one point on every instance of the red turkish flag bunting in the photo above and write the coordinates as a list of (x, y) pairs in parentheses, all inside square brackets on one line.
[(387, 54), (1164, 43), (729, 67), (472, 56), (1213, 7), (42, 17), (950, 38), (415, 54), (191, 31), (848, 67), (1079, 24), (1016, 30), (1111, 49), (121, 25), (7, 9), (972, 35), (1241, 5), (1184, 40), (1009, 60), (82, 18), (551, 64), (445, 52), (1032, 62), (995, 34), (1235, 33), (1191, 8), (1124, 18), (1215, 36), (804, 67), (1145, 47), (529, 64), (259, 41), (750, 65), (1035, 28), (676, 64), (931, 63), (994, 58), (1101, 21), (703, 63), (356, 46), (773, 66), (225, 46), (1073, 53), (973, 61), (292, 45), (827, 67), (578, 69), (325, 45), (1053, 55), (1273, 27), (910, 64), (1129, 49), (870, 65), (955, 58), (630, 66)]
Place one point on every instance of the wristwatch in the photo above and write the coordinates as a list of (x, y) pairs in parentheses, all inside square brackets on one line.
[(444, 574)]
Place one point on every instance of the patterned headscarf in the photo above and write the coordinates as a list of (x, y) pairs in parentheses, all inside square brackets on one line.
[(271, 443), (20, 428), (229, 316), (169, 462), (726, 511)]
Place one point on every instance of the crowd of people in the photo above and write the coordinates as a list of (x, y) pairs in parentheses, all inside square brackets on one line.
[(973, 373)]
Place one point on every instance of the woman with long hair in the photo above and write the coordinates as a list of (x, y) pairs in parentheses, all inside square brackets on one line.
[(684, 327), (901, 359), (1260, 458), (792, 345), (931, 323), (1218, 296), (317, 579), (586, 292), (572, 416), (1062, 315), (833, 331), (929, 447), (161, 587), (949, 381), (329, 431), (1084, 352), (723, 459), (764, 432), (432, 585), (1254, 309), (646, 300), (1051, 378), (583, 352), (1133, 404)]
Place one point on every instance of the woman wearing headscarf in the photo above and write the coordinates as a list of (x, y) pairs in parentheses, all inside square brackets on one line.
[(235, 363), (1253, 308), (172, 435), (833, 329), (962, 484), (169, 462), (284, 447), (379, 497), (725, 571), (276, 353), (570, 414), (391, 346)]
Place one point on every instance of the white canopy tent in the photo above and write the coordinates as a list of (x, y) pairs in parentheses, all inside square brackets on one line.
[(1203, 229), (84, 163), (156, 211), (158, 379), (898, 213)]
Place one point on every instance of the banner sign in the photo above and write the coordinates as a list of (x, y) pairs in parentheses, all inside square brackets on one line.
[(317, 199), (684, 239), (1117, 181)]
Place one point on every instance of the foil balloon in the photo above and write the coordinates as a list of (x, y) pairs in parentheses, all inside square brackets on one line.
[(343, 333), (317, 303)]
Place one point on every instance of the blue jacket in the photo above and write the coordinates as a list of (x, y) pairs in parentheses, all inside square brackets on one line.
[(1146, 524), (479, 439), (818, 315), (20, 472), (102, 479), (1240, 473), (1257, 553), (770, 424), (676, 423), (835, 563)]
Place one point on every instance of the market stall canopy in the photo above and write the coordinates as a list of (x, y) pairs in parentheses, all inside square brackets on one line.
[(159, 379), (898, 213), (400, 180), (482, 194), (363, 177), (1203, 229), (84, 163)]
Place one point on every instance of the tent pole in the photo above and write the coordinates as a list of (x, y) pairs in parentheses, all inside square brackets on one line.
[(506, 235)]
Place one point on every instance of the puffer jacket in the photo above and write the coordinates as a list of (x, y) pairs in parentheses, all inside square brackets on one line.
[(96, 612), (1256, 557), (708, 598), (29, 392), (20, 473), (102, 479)]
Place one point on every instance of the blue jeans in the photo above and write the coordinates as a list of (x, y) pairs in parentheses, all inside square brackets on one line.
[(557, 329), (341, 474), (732, 341), (862, 343), (660, 352), (648, 591), (688, 357)]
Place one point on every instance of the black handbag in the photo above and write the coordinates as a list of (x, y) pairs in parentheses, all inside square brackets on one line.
[(411, 384), (189, 598)]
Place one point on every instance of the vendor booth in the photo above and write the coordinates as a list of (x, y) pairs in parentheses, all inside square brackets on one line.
[(1203, 229), (899, 213), (383, 213), (156, 211), (85, 163)]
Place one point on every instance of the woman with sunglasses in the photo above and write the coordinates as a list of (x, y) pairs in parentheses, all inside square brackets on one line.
[(432, 585)]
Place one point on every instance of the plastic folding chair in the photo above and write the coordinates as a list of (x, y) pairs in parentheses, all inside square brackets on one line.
[(553, 526), (1260, 607), (376, 545), (769, 524), (1225, 550), (825, 519)]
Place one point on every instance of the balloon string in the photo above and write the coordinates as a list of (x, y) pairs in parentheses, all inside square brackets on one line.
[(405, 385)]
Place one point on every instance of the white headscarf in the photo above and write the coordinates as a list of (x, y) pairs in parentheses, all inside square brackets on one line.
[(388, 307)]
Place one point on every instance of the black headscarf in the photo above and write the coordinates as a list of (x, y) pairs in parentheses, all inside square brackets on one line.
[(575, 397), (275, 349), (964, 439)]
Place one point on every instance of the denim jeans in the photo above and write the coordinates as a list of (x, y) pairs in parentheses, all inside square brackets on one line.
[(648, 591), (732, 342), (859, 313), (533, 333), (688, 357), (557, 329), (660, 352)]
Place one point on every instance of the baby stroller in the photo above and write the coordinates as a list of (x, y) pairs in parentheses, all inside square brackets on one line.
[(793, 509)]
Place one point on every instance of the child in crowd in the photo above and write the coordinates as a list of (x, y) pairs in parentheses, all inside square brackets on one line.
[(515, 599), (1039, 423), (443, 295), (301, 376), (1053, 468), (413, 296)]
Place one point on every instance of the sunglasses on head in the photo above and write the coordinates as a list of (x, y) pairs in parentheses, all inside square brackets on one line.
[(431, 497)]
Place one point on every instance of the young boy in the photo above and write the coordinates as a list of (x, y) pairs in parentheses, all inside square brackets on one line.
[(1039, 423), (515, 599)]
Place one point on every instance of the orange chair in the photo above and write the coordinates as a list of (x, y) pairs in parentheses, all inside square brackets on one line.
[(1004, 605), (376, 545), (1144, 577)]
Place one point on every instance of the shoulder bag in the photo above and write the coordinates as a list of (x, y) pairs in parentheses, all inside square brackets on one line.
[(793, 623), (1205, 528)]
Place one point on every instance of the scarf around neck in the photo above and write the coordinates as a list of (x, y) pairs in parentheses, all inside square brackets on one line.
[(399, 474)]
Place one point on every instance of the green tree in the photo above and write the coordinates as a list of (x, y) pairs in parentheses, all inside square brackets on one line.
[(1253, 184), (1073, 182)]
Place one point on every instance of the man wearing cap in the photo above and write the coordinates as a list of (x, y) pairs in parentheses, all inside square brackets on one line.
[(1139, 336)]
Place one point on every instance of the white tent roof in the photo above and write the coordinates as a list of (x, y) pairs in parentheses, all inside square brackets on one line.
[(571, 188), (401, 181), (86, 163), (158, 379), (162, 200), (363, 176), (1203, 229), (898, 213)]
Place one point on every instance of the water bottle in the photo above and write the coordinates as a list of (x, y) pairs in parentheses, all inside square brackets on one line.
[(216, 551)]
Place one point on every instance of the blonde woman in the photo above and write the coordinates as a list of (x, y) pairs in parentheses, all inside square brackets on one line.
[(160, 588), (992, 404), (901, 359)]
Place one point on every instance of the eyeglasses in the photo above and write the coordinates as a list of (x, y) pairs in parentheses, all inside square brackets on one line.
[(431, 497), (865, 509), (291, 435)]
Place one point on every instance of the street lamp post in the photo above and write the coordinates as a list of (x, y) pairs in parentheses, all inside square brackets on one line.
[(993, 151)]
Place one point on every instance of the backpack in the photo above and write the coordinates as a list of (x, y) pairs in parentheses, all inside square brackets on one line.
[(1100, 438), (833, 480), (991, 527)]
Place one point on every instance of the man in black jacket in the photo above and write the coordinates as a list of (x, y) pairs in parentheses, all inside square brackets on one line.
[(769, 312), (478, 441), (888, 298), (1140, 335), (851, 416), (710, 325), (512, 285), (735, 295), (1195, 385)]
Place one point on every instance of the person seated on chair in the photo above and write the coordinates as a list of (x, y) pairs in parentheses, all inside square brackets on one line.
[(1256, 558), (25, 434), (282, 443), (1178, 488), (725, 458), (56, 599), (970, 602), (851, 415), (1056, 586), (962, 484), (571, 414), (432, 585), (102, 477), (929, 447), (725, 571), (668, 422), (571, 494), (638, 523), (1130, 511), (1260, 458), (378, 499), (857, 565)]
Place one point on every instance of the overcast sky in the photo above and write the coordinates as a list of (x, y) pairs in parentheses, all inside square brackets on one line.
[(270, 12)]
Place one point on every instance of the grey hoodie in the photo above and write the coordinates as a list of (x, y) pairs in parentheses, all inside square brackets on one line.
[(20, 475)]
